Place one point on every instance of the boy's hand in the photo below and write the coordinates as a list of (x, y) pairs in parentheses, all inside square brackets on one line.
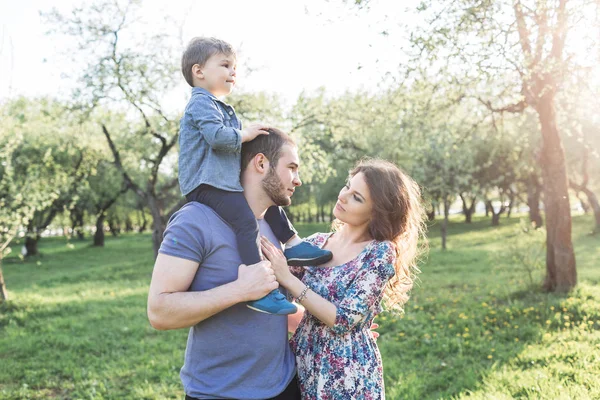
[(252, 131)]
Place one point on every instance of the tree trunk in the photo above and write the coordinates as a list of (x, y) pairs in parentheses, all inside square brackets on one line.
[(444, 227), (534, 189), (592, 199), (3, 292), (31, 245), (144, 222), (496, 219), (495, 215), (99, 235), (511, 203), (76, 217), (113, 225), (584, 205), (468, 210), (593, 203), (158, 224), (561, 271), (128, 224)]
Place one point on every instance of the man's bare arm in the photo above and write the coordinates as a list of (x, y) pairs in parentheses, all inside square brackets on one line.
[(170, 306)]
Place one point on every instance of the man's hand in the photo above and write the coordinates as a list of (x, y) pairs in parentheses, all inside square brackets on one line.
[(256, 281), (252, 131)]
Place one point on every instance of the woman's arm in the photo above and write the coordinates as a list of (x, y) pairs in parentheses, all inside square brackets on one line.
[(315, 304), (294, 319), (361, 297)]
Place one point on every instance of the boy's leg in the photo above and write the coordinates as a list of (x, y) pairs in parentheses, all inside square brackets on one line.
[(297, 251), (280, 224), (234, 209)]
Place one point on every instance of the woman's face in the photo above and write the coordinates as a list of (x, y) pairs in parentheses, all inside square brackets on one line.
[(354, 205)]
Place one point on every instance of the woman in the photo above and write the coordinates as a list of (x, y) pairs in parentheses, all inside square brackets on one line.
[(379, 220)]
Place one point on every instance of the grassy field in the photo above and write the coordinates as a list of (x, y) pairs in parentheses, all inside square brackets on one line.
[(475, 326)]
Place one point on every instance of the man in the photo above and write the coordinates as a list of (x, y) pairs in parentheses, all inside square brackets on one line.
[(232, 351)]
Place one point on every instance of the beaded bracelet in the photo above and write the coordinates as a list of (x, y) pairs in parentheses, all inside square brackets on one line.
[(302, 295)]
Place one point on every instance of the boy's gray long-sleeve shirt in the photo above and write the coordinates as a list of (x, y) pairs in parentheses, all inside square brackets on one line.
[(210, 144)]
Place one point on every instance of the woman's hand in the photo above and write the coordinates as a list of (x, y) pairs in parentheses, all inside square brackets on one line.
[(374, 333), (278, 261)]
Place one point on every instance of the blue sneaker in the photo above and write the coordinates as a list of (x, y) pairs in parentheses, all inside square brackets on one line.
[(306, 254), (273, 303)]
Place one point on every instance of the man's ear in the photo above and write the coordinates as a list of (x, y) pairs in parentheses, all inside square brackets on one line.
[(261, 163)]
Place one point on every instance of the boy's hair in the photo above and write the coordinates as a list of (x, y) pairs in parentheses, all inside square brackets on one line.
[(199, 50), (269, 145)]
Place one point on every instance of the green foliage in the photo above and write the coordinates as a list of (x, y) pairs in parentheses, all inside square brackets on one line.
[(35, 154)]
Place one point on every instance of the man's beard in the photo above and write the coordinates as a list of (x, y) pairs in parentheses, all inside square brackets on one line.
[(274, 189)]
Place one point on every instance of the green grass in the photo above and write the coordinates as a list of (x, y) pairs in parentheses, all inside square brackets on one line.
[(76, 325)]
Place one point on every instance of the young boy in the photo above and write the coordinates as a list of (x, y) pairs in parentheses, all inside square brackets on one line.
[(210, 142)]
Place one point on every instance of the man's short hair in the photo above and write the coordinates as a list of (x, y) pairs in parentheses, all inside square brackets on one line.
[(269, 145), (199, 50)]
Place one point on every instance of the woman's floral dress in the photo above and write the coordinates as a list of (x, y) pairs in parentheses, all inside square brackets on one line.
[(343, 362)]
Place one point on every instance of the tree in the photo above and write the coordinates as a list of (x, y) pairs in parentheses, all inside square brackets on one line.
[(106, 187), (442, 171), (22, 191), (51, 141), (579, 104), (510, 55), (584, 187), (119, 69)]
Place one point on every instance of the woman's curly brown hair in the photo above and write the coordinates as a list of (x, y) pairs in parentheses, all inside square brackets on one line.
[(398, 217)]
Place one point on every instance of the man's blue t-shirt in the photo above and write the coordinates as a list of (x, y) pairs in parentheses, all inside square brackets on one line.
[(238, 353)]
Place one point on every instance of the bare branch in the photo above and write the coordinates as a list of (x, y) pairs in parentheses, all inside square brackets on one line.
[(511, 108), (560, 33), (522, 29), (117, 157), (542, 31)]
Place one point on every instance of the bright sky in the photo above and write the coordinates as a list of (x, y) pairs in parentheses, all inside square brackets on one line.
[(293, 45)]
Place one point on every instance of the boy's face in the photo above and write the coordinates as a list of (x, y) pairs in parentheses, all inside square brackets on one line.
[(217, 75)]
